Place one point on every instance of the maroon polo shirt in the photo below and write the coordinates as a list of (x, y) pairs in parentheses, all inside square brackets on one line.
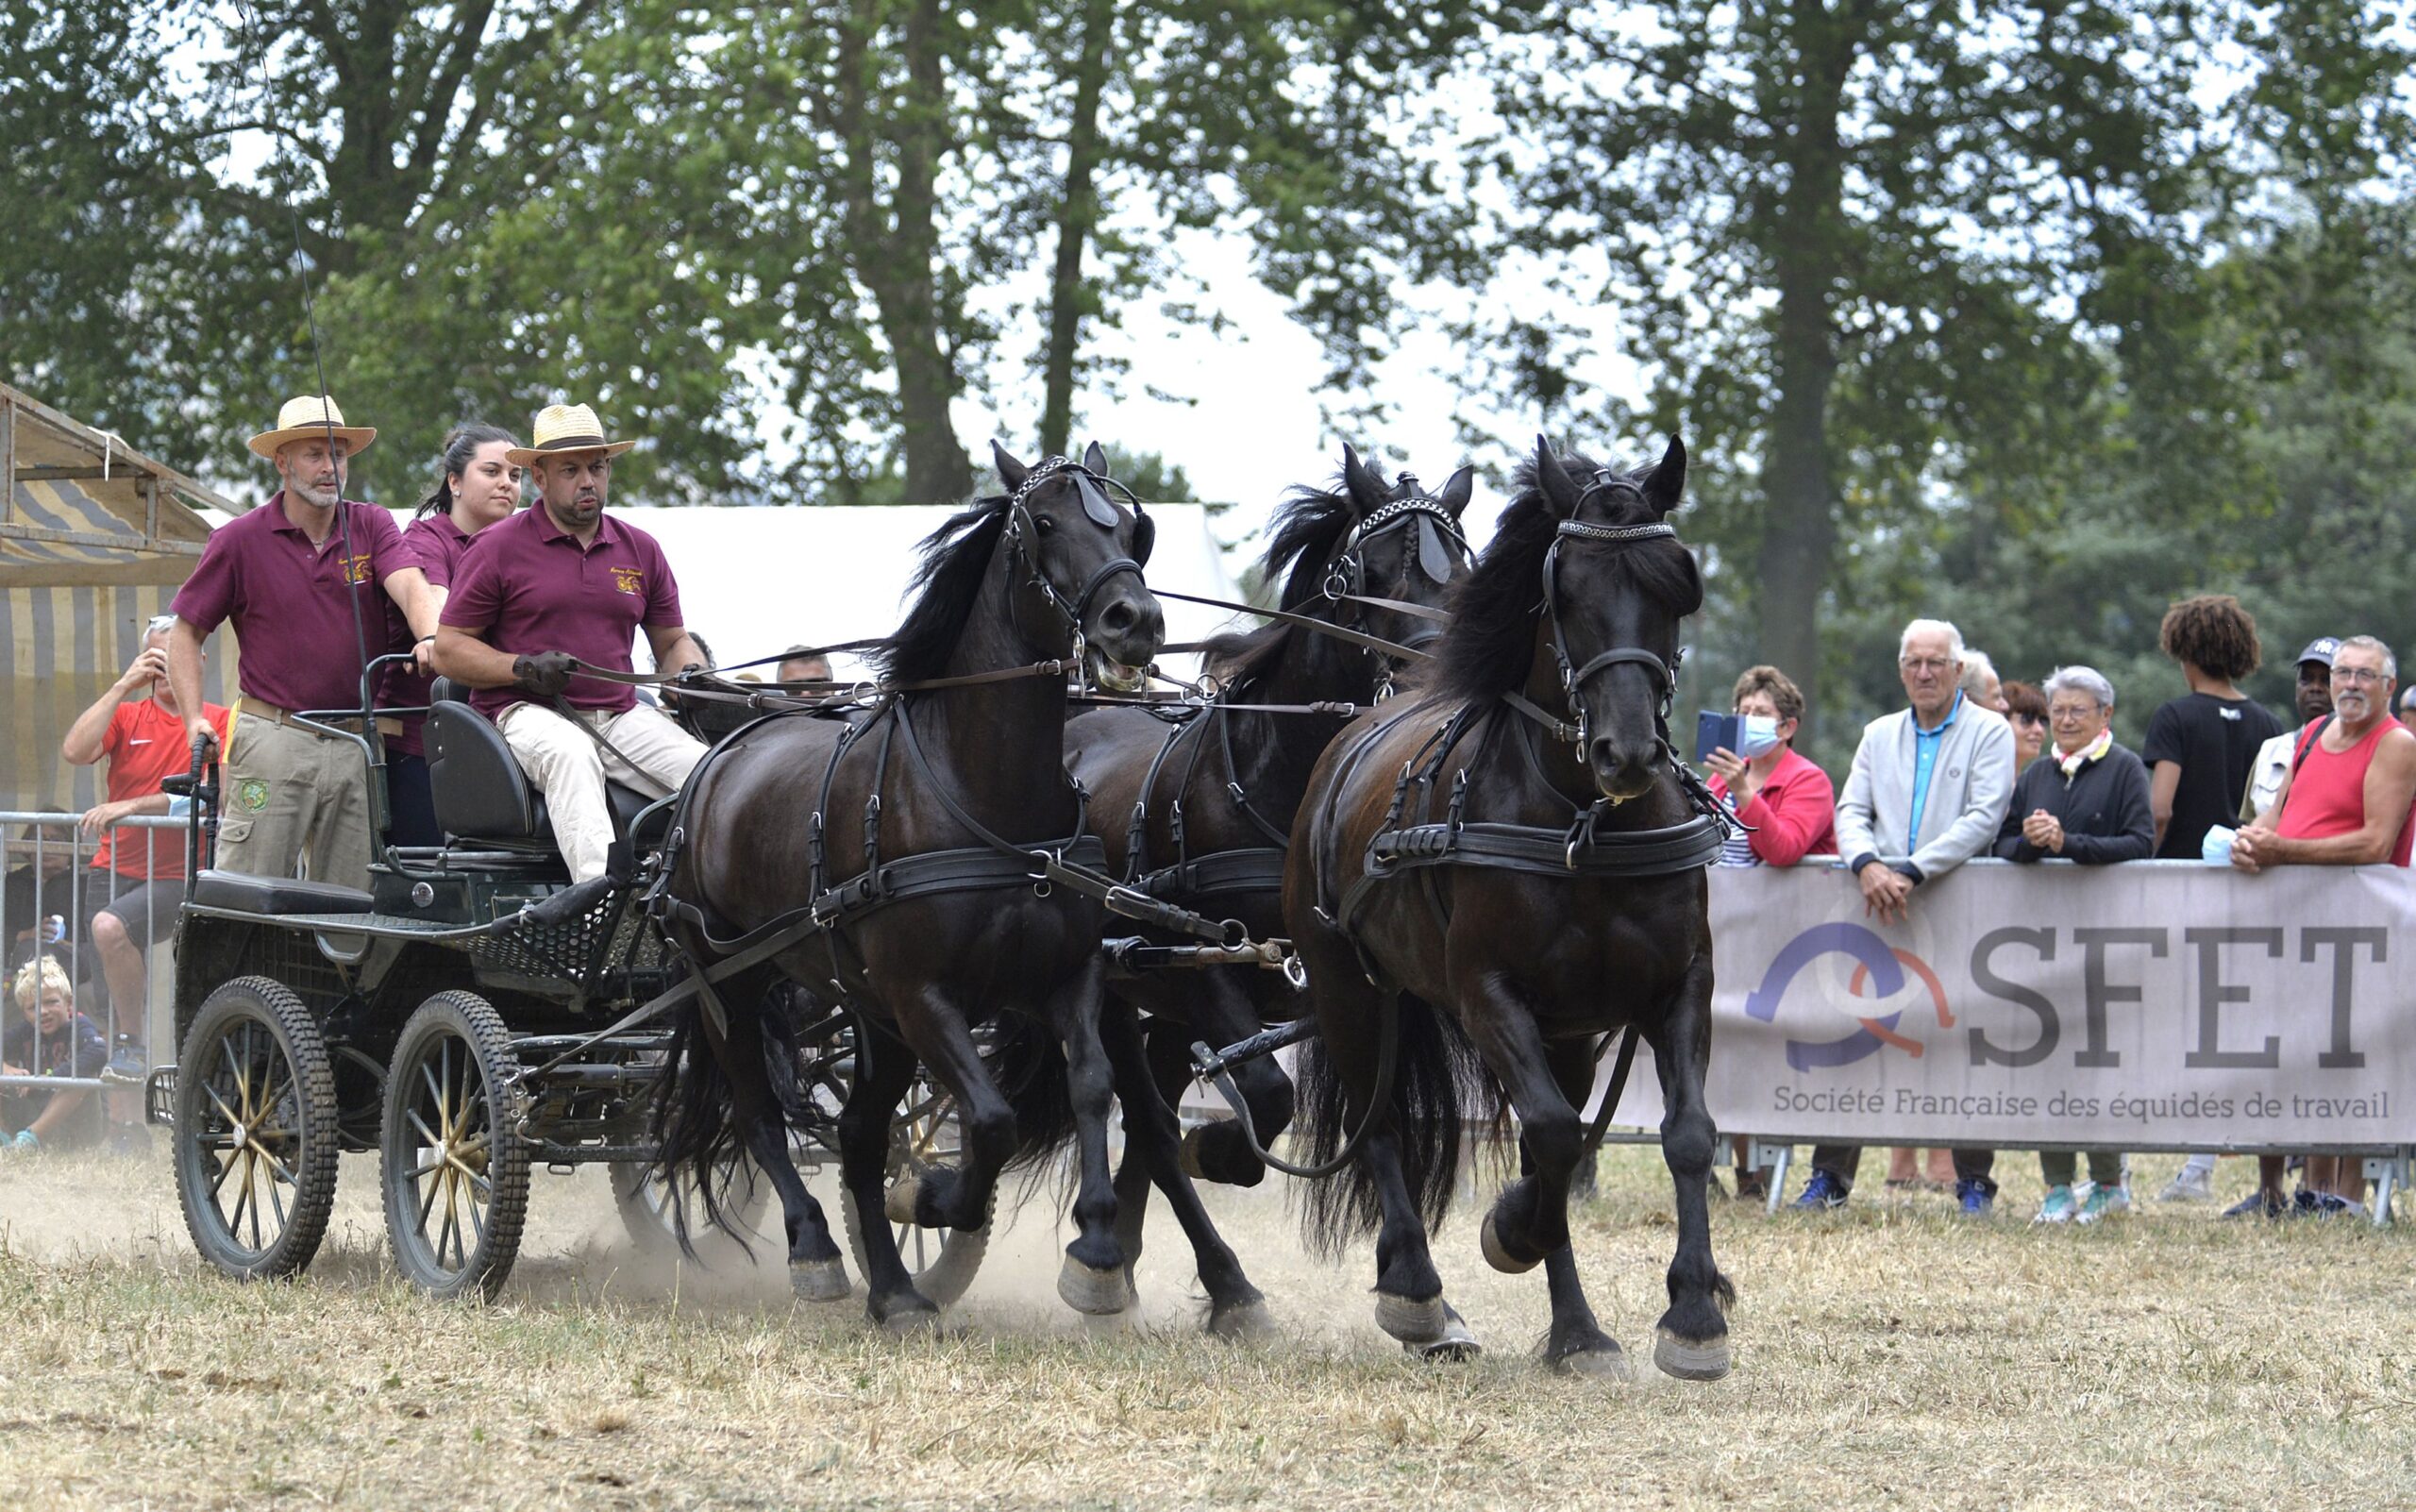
[(434, 544), (286, 598), (526, 586)]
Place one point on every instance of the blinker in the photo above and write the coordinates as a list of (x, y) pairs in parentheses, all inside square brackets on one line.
[(1432, 555), (1095, 502)]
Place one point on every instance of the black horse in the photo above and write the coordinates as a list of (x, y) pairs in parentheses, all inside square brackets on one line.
[(1506, 957), (1199, 812), (887, 824)]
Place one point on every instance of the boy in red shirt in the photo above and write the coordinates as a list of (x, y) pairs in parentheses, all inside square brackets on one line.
[(138, 727)]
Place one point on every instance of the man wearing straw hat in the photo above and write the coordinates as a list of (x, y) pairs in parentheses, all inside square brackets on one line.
[(294, 578), (554, 587)]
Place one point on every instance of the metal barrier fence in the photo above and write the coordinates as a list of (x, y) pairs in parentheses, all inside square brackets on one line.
[(50, 893)]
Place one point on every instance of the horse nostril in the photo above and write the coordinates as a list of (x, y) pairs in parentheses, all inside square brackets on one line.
[(1601, 756), (1117, 619)]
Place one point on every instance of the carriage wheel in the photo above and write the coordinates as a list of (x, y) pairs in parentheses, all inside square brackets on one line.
[(455, 1167), (256, 1131), (650, 1207), (926, 1132)]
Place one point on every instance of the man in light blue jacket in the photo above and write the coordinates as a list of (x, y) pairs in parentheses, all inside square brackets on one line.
[(1927, 793)]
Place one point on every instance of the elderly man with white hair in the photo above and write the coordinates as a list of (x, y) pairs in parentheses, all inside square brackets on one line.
[(1928, 792)]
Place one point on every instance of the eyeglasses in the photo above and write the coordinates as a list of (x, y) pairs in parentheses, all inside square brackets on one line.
[(2370, 676), (1925, 663), (2070, 714)]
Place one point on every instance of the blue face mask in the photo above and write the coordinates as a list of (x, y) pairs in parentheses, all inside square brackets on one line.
[(1759, 736)]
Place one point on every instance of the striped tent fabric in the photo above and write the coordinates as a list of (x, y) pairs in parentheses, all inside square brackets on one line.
[(94, 539)]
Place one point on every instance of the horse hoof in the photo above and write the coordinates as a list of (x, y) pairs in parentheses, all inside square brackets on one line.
[(915, 1318), (1093, 1293), (820, 1280), (898, 1205), (1455, 1345), (1188, 1155), (1497, 1255), (1412, 1322), (1608, 1364), (1247, 1322), (1691, 1360)]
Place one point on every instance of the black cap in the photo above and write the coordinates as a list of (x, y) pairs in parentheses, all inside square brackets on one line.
[(2322, 649)]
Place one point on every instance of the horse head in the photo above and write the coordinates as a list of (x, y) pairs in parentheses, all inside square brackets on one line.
[(1079, 555), (1616, 583), (1404, 545)]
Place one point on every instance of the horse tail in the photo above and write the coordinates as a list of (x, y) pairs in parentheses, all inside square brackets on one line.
[(1440, 1084), (698, 1140), (1027, 1065)]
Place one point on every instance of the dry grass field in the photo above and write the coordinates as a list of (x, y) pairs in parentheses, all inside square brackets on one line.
[(1891, 1355)]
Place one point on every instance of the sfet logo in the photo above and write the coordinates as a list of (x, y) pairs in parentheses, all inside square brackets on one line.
[(1877, 966)]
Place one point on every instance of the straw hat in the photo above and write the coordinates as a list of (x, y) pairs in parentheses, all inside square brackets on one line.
[(306, 419), (562, 428)]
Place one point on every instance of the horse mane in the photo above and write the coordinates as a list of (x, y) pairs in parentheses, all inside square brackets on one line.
[(1308, 524), (956, 557), (1495, 604)]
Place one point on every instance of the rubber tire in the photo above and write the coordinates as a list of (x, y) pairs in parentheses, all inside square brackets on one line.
[(472, 1020), (636, 1193), (961, 1251), (273, 1006)]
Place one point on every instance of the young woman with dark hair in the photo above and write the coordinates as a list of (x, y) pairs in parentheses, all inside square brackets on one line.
[(477, 485)]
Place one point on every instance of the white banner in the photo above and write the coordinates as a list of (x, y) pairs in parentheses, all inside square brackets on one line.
[(2144, 1005)]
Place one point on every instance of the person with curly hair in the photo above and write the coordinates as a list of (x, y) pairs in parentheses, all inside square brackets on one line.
[(2202, 747)]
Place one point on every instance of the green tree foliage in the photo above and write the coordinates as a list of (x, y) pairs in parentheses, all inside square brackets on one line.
[(1880, 254)]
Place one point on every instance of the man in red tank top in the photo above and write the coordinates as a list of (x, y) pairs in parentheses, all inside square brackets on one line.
[(2347, 802)]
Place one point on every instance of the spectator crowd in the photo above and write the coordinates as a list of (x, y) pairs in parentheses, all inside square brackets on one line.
[(1973, 766)]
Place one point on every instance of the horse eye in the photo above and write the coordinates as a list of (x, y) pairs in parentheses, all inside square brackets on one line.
[(1044, 524)]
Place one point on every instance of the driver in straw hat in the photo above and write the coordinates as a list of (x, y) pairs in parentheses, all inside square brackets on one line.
[(549, 588), (296, 579)]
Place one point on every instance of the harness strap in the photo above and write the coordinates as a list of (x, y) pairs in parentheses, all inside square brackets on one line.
[(1322, 626), (1219, 871)]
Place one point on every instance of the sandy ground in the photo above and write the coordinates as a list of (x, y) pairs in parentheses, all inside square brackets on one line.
[(1891, 1355)]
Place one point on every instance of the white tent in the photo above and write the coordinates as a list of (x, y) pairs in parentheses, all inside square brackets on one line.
[(755, 580)]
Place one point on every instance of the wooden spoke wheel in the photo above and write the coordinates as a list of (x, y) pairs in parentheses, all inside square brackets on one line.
[(256, 1131), (455, 1166), (925, 1132)]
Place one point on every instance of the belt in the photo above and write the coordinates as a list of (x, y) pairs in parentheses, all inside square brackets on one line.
[(276, 715)]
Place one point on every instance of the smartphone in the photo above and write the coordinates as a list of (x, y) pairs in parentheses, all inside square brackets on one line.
[(1715, 731)]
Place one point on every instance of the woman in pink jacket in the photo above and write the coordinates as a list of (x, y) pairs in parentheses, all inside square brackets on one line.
[(1790, 803)]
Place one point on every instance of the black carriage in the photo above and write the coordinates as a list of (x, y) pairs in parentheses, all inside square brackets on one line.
[(431, 1020)]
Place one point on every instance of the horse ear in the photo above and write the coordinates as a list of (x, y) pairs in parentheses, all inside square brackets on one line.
[(1010, 472), (1456, 491), (1094, 460), (1367, 492), (1666, 485), (1559, 490)]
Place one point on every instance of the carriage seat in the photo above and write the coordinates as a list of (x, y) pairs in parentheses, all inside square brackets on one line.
[(482, 794), (276, 895)]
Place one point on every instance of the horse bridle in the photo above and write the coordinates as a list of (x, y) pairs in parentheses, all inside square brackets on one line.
[(1346, 573), (1663, 672), (1023, 536)]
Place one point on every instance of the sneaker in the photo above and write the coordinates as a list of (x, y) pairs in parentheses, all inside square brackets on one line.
[(2102, 1202), (1978, 1202), (2190, 1186), (1821, 1193), (128, 1062), (2258, 1204), (2057, 1208), (2328, 1205)]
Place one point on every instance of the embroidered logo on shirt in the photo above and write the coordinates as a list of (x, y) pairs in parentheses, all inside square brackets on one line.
[(355, 569), (629, 580)]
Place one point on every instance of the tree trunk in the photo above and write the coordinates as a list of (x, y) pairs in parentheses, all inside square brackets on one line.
[(1799, 529), (1068, 297)]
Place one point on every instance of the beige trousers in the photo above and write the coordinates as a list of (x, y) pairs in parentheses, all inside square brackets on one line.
[(570, 768), (289, 796)]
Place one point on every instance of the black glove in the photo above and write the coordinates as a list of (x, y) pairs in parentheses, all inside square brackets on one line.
[(545, 674)]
